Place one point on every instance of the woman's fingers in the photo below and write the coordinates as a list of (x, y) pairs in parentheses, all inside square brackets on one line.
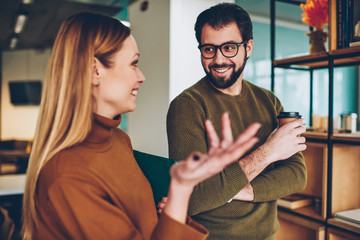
[(226, 130), (211, 133), (243, 143), (198, 167), (227, 137), (240, 149), (248, 133)]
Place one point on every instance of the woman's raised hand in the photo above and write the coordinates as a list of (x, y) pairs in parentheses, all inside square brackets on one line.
[(198, 167)]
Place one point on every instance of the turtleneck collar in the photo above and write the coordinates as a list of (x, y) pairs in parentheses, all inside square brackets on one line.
[(102, 129)]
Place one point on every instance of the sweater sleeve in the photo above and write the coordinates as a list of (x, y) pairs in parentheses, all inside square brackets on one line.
[(80, 212), (186, 134), (280, 179)]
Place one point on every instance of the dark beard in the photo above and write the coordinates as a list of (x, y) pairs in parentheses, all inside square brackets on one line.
[(221, 83)]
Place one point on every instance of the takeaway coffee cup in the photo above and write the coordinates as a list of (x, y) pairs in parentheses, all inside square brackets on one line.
[(285, 117)]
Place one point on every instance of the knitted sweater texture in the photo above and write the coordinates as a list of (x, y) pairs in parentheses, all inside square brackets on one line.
[(96, 190), (211, 203)]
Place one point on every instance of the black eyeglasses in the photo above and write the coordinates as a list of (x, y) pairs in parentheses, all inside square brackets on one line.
[(228, 49)]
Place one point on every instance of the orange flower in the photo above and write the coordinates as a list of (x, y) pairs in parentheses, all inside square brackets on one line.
[(315, 13)]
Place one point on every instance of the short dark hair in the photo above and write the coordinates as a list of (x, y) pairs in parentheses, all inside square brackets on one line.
[(222, 14)]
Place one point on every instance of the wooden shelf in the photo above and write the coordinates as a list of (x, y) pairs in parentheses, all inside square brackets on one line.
[(304, 62), (341, 57), (346, 137), (316, 163), (349, 227), (345, 52), (339, 137), (308, 211), (345, 178), (316, 135), (297, 228)]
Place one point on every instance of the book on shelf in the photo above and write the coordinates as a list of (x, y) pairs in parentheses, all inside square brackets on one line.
[(295, 200), (354, 44), (347, 222), (350, 216), (339, 23), (348, 23), (354, 21)]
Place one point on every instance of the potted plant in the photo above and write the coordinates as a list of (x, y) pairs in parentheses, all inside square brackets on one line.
[(316, 16)]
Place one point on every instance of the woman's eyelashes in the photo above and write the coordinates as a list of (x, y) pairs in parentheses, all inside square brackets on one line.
[(135, 63)]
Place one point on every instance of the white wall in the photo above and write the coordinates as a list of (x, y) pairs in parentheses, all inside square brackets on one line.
[(185, 61), (146, 126), (19, 122), (170, 61)]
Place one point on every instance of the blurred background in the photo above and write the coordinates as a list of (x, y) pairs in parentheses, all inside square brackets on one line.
[(164, 30), (170, 60)]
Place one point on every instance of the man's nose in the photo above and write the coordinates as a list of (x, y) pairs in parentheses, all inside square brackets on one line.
[(219, 57)]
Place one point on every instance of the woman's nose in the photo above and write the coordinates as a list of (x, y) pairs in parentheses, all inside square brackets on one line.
[(140, 76)]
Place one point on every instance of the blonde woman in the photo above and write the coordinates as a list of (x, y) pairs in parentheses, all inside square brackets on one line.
[(83, 181)]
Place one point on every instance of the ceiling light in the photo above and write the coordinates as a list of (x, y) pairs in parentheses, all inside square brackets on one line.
[(20, 23), (27, 1), (13, 42)]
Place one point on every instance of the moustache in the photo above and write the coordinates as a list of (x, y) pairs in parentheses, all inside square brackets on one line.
[(214, 65)]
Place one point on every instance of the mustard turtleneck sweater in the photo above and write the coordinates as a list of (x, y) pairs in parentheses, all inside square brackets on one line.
[(96, 190)]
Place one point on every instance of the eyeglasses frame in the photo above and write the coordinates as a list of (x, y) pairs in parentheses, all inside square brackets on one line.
[(219, 47)]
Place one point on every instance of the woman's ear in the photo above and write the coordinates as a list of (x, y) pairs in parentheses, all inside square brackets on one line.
[(96, 72)]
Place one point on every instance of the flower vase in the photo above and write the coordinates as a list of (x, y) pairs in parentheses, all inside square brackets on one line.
[(317, 41)]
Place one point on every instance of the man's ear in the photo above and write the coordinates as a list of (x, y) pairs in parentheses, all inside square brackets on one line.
[(249, 47), (96, 69)]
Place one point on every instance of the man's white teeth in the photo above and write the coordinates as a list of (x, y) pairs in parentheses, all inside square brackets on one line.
[(134, 92), (221, 70)]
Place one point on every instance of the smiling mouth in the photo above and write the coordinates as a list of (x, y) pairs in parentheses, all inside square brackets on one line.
[(134, 92), (221, 70)]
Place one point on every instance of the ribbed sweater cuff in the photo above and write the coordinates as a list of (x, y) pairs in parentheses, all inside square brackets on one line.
[(259, 188), (237, 174)]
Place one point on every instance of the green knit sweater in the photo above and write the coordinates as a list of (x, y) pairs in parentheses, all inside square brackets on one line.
[(209, 203)]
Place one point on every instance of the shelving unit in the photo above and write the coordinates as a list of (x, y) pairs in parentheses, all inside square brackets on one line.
[(332, 159), (291, 225)]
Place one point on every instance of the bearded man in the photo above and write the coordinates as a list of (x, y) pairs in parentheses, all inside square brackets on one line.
[(240, 202)]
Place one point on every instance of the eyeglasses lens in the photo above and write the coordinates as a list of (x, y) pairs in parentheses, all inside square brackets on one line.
[(208, 51), (229, 50)]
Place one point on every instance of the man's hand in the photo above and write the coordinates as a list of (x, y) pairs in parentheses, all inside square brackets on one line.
[(282, 143), (285, 141), (161, 205), (246, 194)]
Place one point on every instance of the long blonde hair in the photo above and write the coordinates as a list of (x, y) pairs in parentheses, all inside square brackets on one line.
[(65, 116)]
